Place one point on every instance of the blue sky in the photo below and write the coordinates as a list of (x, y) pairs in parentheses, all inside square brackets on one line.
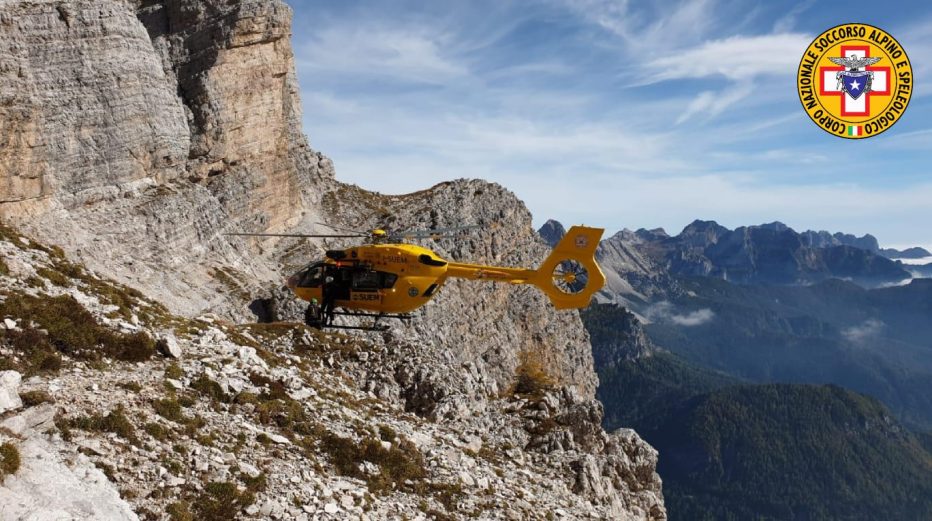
[(620, 114)]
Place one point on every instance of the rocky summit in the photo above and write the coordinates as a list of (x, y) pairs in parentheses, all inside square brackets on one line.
[(137, 381)]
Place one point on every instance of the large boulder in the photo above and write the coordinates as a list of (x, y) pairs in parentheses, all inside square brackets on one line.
[(9, 391)]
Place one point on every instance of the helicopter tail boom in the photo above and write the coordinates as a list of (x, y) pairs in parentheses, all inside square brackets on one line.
[(569, 276)]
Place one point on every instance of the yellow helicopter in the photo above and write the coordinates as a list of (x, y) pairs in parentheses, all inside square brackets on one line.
[(389, 278)]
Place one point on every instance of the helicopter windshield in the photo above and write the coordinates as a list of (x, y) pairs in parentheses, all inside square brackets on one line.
[(313, 276)]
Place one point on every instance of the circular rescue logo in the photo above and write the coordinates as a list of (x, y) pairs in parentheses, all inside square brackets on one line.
[(855, 81)]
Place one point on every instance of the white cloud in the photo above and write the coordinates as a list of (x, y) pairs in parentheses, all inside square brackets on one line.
[(666, 312), (648, 27), (859, 333), (412, 54), (788, 21), (713, 103), (736, 58), (915, 140), (745, 62), (916, 39)]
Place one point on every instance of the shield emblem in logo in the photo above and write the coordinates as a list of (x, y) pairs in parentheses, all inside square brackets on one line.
[(856, 83)]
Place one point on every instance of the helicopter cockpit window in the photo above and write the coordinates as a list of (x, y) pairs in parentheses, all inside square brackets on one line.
[(313, 277)]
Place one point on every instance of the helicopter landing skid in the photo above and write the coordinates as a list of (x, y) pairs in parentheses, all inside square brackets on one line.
[(359, 328), (328, 324), (376, 316)]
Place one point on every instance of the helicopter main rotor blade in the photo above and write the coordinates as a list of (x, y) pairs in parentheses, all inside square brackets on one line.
[(435, 237), (298, 235), (361, 232)]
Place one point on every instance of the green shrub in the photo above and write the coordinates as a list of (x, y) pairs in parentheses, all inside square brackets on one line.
[(179, 511), (221, 501), (209, 388), (9, 460), (54, 277), (37, 354), (174, 371), (33, 398), (530, 377), (157, 431), (64, 427), (287, 414), (135, 347), (115, 421), (398, 464), (246, 397), (386, 433), (255, 484), (130, 386), (71, 329), (169, 409)]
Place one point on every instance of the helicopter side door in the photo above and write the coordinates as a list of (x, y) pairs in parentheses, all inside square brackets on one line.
[(365, 286)]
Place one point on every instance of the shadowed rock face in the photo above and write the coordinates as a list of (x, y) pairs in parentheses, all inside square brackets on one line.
[(552, 231)]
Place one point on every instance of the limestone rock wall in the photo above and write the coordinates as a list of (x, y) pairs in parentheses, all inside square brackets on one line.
[(142, 131), (84, 104)]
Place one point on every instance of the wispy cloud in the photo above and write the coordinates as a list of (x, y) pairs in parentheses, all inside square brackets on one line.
[(713, 102), (666, 312), (870, 328), (739, 58), (916, 38), (745, 61), (649, 25), (413, 54), (787, 22)]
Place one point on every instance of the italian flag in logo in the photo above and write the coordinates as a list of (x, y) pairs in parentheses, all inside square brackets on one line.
[(855, 130)]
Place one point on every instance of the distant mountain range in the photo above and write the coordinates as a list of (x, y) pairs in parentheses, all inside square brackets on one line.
[(762, 330), (766, 254), (643, 265)]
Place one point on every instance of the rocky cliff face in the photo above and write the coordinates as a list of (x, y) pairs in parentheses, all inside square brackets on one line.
[(260, 421), (145, 131), (137, 133)]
